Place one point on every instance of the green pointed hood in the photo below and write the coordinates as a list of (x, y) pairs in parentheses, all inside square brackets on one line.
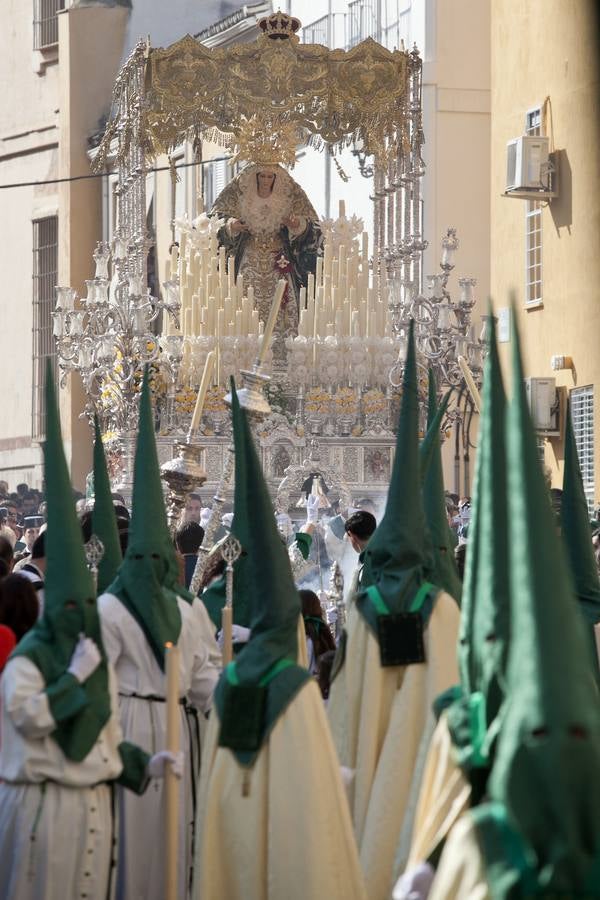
[(81, 711), (485, 611), (445, 573), (575, 527), (545, 774), (265, 675), (146, 583), (396, 560), (104, 520)]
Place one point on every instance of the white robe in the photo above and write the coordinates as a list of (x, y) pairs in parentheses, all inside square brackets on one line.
[(382, 722), (291, 837), (461, 872), (140, 873), (55, 814)]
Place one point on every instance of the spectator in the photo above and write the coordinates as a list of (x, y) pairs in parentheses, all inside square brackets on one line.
[(359, 527), (7, 644), (460, 552), (30, 504), (319, 639), (188, 539), (6, 554), (193, 508), (31, 529), (22, 489), (34, 567), (19, 607)]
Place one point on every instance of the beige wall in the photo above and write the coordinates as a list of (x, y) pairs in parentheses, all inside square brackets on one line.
[(91, 43), (28, 153), (547, 48)]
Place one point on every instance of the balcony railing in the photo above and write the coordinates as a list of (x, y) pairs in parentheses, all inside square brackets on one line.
[(316, 32)]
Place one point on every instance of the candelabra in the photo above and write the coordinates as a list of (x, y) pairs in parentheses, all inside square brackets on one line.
[(108, 338), (443, 329)]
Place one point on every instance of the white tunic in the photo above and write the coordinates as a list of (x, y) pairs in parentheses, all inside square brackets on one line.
[(141, 819), (280, 830), (55, 814), (382, 723)]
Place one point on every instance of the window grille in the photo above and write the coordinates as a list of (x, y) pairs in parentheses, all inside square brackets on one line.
[(533, 228), (45, 22), (316, 32), (217, 174), (582, 417), (45, 266), (395, 27), (361, 22)]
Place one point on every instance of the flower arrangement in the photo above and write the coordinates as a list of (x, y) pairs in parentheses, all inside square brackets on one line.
[(185, 401), (214, 401), (346, 401), (317, 401), (373, 402)]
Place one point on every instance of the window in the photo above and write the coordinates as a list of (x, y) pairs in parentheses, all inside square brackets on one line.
[(45, 22), (361, 22), (216, 176), (533, 228), (317, 32), (582, 417), (45, 264)]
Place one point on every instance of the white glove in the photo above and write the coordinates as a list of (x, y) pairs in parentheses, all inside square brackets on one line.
[(158, 763), (227, 519), (312, 509), (85, 660), (239, 635), (414, 884)]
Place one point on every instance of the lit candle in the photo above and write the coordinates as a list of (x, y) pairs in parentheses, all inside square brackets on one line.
[(206, 377), (281, 286)]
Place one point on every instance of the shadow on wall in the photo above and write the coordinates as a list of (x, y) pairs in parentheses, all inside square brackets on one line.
[(561, 208)]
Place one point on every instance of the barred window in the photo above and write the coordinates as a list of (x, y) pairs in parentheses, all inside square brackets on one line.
[(316, 32), (582, 417), (361, 22), (45, 22), (45, 265), (533, 228)]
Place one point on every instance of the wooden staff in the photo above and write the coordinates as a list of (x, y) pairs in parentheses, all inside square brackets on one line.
[(171, 781)]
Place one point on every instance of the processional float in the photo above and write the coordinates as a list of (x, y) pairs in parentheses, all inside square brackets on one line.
[(334, 375)]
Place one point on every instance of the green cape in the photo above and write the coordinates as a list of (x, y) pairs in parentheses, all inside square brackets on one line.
[(146, 583), (255, 690), (545, 775), (79, 710), (396, 560), (485, 612), (104, 520), (445, 573)]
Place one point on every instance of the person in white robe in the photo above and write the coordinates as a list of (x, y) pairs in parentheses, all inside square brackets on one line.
[(398, 655), (274, 820), (143, 609)]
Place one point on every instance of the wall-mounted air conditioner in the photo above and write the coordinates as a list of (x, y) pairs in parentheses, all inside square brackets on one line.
[(544, 405), (530, 171)]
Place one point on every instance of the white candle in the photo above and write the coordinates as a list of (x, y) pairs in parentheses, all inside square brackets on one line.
[(281, 286), (206, 377), (342, 208)]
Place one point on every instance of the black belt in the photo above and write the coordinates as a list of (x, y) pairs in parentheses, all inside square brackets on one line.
[(154, 698)]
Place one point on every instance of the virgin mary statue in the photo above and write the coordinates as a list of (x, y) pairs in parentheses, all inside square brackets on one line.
[(273, 232)]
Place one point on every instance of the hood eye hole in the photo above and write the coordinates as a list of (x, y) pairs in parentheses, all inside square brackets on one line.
[(138, 555), (90, 601), (155, 555), (463, 641), (578, 731), (541, 732), (70, 604), (490, 637)]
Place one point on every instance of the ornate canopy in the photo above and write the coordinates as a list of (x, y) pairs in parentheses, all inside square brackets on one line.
[(275, 86)]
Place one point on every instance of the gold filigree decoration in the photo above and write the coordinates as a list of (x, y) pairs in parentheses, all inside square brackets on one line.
[(335, 97), (261, 141)]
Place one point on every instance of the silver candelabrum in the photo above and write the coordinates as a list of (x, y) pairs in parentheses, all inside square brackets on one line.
[(108, 337), (443, 329)]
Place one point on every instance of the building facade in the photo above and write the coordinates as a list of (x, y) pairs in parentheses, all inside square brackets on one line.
[(545, 82), (58, 63)]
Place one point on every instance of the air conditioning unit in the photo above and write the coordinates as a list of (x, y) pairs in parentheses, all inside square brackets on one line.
[(529, 167), (544, 404)]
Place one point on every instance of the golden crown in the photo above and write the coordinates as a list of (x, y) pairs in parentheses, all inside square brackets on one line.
[(266, 143), (279, 26)]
